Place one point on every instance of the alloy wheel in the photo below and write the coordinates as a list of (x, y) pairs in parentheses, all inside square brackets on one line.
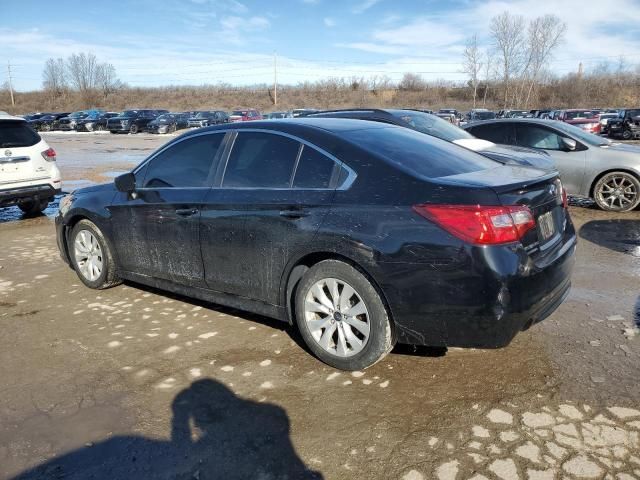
[(88, 255), (337, 317), (618, 192)]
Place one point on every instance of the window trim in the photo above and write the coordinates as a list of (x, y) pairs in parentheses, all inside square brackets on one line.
[(351, 174)]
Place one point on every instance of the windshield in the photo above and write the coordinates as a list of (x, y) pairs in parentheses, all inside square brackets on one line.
[(166, 116), (580, 114), (129, 113), (581, 135), (431, 125), (242, 113), (78, 115), (205, 115), (633, 113)]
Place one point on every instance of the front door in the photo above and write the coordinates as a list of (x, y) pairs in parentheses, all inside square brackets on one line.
[(157, 230)]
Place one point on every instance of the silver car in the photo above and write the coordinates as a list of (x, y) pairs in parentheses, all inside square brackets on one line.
[(590, 166)]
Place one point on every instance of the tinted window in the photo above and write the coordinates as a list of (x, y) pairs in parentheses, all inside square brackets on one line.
[(431, 125), (537, 137), (419, 154), (314, 170), (261, 160), (185, 164), (494, 132), (17, 134)]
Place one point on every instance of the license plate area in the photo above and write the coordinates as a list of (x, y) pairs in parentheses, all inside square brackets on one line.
[(546, 226)]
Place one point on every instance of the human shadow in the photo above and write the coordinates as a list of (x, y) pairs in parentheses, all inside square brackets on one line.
[(214, 435), (620, 235)]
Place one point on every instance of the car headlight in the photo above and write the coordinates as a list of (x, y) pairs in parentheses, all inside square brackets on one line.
[(89, 126), (65, 203)]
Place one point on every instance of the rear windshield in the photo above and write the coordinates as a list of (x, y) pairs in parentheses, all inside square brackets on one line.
[(484, 115), (17, 134), (240, 112), (431, 125), (420, 154), (583, 114)]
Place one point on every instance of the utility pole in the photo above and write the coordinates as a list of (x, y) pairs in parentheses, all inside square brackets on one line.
[(13, 102), (275, 78)]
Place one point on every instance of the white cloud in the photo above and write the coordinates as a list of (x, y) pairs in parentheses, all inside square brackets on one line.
[(329, 22), (364, 5)]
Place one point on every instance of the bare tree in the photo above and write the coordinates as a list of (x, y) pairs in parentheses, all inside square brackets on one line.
[(545, 34), (106, 79), (507, 32), (411, 81), (489, 66), (82, 69), (54, 76), (472, 64)]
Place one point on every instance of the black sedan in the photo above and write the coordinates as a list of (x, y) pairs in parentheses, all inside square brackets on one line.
[(168, 123), (361, 234), (95, 122), (45, 123), (209, 118)]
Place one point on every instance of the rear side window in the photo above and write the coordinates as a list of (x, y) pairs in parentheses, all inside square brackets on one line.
[(17, 134), (261, 160), (418, 153), (314, 169), (185, 164)]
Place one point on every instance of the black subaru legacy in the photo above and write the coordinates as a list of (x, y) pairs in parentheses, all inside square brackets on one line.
[(360, 234)]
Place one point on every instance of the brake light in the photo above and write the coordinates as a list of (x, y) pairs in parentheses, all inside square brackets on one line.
[(565, 200), (481, 225), (49, 155)]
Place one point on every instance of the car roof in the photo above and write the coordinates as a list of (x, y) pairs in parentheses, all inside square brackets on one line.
[(539, 121), (7, 116)]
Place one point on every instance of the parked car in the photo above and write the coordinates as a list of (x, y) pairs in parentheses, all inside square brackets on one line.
[(276, 115), (584, 119), (359, 233), (439, 128), (70, 122), (94, 122), (132, 121), (168, 123), (480, 114), (449, 117), (590, 166), (208, 118), (604, 118), (29, 176), (245, 115), (46, 122), (627, 125)]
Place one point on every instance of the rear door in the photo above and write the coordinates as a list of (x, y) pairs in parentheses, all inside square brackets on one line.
[(20, 154), (570, 164), (274, 193), (157, 231)]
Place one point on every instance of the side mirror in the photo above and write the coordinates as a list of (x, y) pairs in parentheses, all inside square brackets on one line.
[(569, 144), (126, 183)]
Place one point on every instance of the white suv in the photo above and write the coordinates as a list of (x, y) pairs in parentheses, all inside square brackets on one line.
[(29, 176)]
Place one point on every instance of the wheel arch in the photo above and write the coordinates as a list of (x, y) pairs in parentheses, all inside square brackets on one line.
[(72, 220), (297, 269)]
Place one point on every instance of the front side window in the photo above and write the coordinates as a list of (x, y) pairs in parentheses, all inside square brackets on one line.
[(314, 170), (261, 160), (537, 137), (185, 164)]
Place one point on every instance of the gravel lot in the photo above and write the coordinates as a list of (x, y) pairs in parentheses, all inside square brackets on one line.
[(136, 383)]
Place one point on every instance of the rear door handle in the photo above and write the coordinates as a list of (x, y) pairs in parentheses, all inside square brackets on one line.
[(294, 213), (186, 212)]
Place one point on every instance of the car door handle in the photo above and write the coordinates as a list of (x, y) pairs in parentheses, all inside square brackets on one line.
[(294, 213), (186, 212)]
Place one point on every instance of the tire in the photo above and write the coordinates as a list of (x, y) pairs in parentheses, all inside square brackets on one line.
[(627, 135), (173, 129), (87, 248), (617, 192), (31, 208), (133, 129), (99, 128), (349, 346), (46, 128)]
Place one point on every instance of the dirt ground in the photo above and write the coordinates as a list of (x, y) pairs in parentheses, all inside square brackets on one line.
[(136, 383)]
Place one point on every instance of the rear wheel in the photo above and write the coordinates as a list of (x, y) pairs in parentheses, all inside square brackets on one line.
[(341, 316), (617, 192), (33, 207), (91, 257), (133, 129)]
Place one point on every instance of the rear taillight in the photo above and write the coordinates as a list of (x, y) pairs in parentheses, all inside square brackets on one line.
[(565, 199), (49, 155), (481, 225)]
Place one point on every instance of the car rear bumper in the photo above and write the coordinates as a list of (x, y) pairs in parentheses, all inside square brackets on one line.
[(11, 196), (484, 301)]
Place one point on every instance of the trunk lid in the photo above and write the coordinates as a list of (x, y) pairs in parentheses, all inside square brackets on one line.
[(539, 190)]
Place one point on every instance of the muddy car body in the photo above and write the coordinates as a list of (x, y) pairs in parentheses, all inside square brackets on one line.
[(361, 234), (626, 126), (132, 121)]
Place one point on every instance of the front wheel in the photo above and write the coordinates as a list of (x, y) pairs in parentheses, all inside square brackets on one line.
[(133, 129), (341, 316), (91, 257), (627, 135), (32, 208), (617, 192)]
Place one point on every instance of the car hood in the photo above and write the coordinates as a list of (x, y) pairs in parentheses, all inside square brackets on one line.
[(102, 187), (162, 122), (617, 147), (509, 154)]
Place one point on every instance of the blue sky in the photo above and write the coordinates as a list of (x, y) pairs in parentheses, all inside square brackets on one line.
[(153, 42)]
